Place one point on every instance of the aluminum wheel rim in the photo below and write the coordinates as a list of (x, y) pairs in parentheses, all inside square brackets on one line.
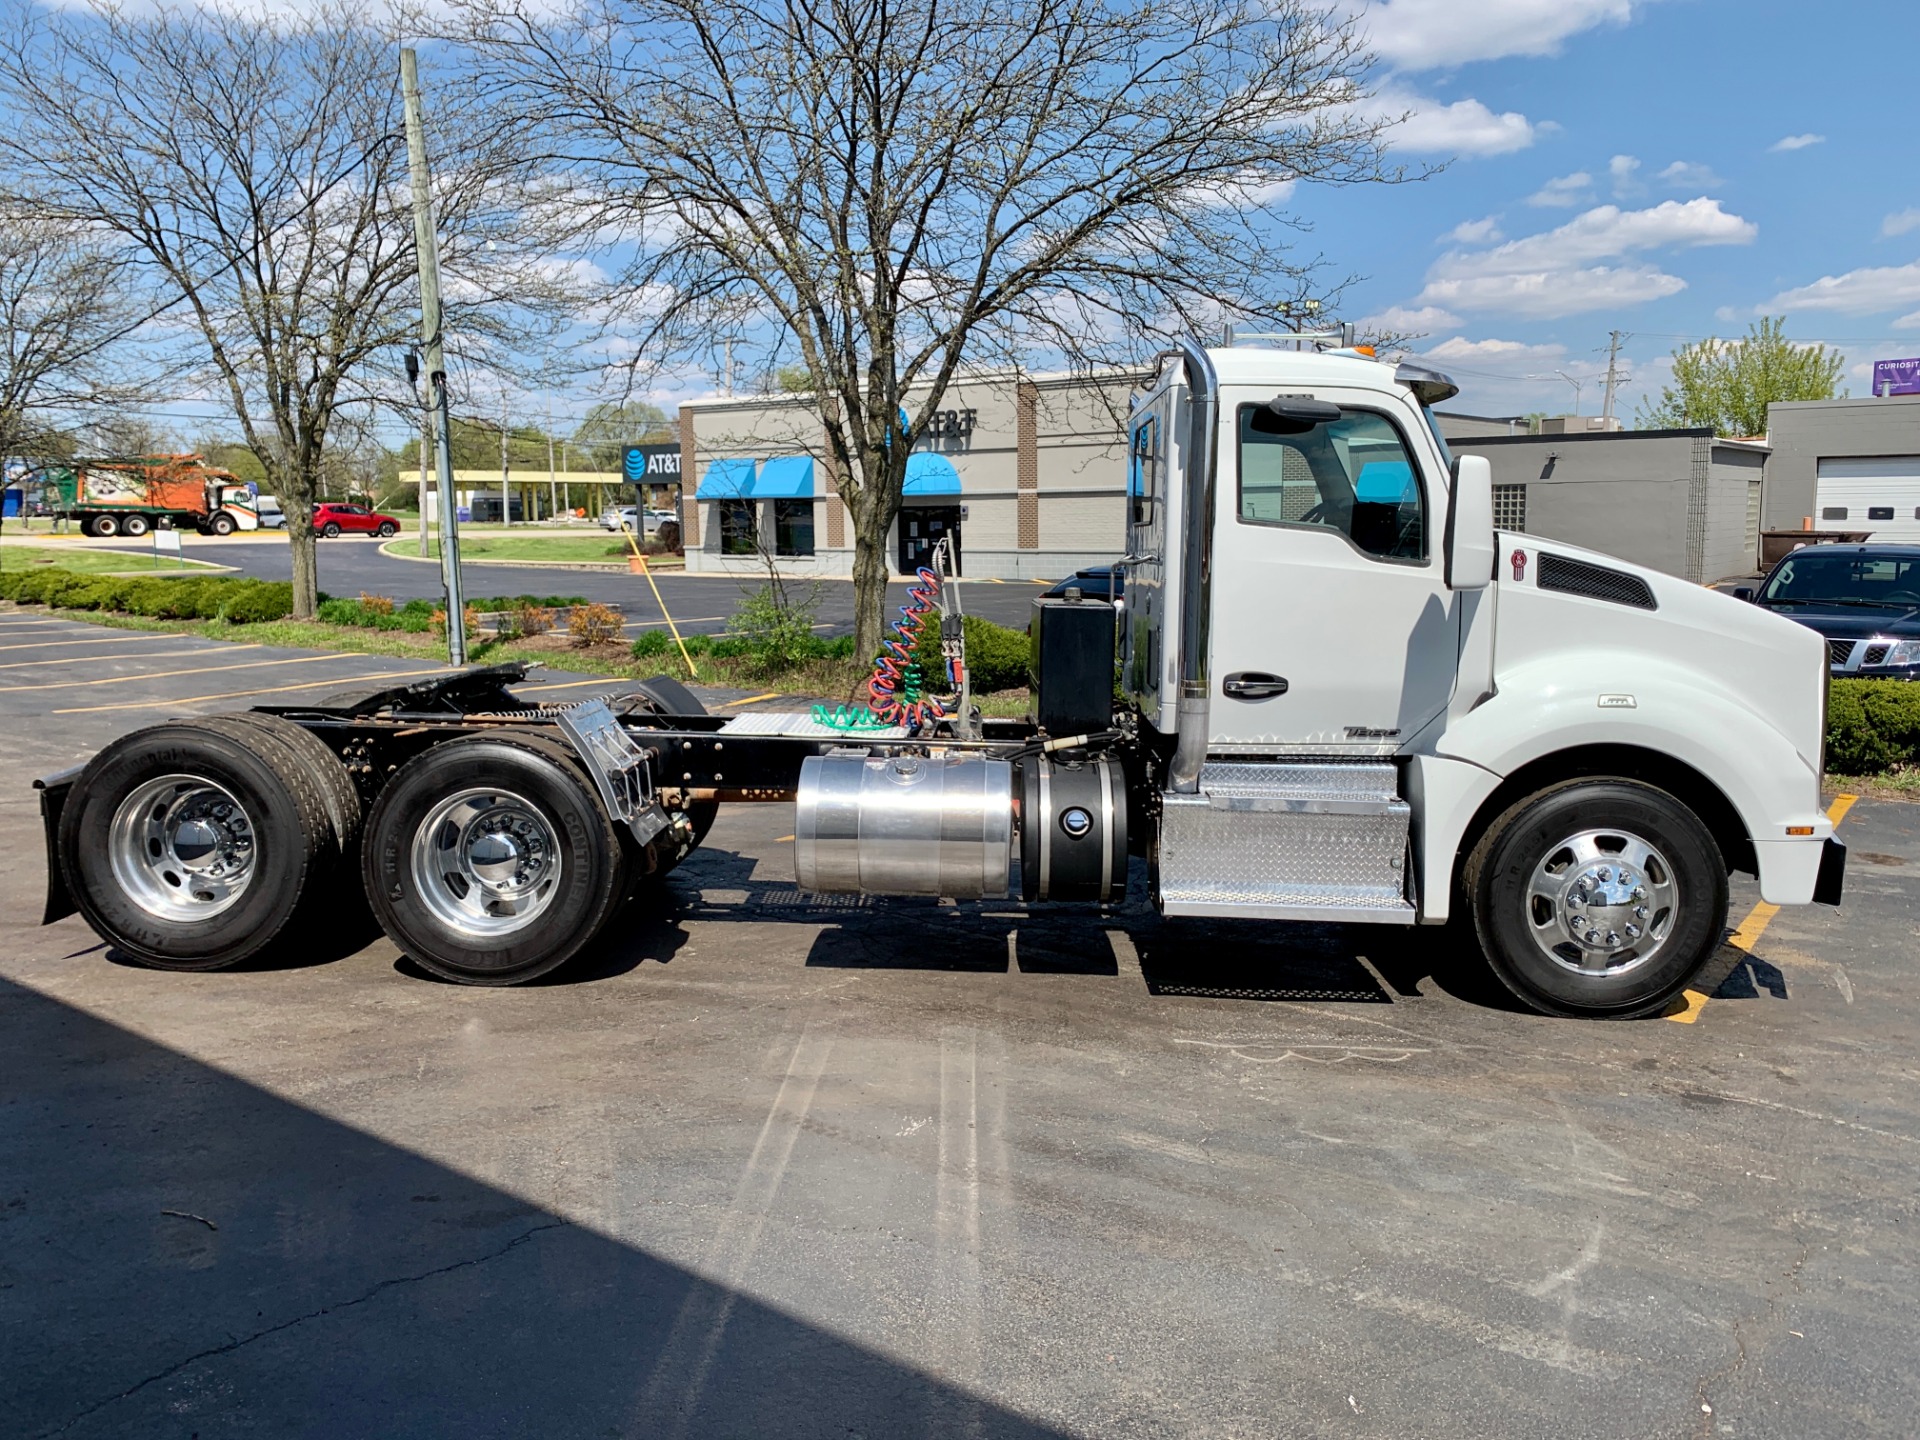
[(182, 848), (486, 863), (1602, 903)]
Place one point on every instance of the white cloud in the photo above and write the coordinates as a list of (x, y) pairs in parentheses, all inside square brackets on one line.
[(1511, 351), (1560, 272), (1401, 319), (1430, 34), (1908, 322), (1685, 175), (1466, 127), (1796, 142), (1563, 191), (1620, 170), (1856, 292), (1475, 232), (1899, 223)]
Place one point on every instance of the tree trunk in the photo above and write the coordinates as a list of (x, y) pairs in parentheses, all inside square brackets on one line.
[(297, 503), (869, 588)]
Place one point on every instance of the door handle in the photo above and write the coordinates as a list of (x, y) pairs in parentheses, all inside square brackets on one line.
[(1253, 685)]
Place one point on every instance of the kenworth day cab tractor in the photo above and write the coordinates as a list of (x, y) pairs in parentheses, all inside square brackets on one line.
[(1333, 692)]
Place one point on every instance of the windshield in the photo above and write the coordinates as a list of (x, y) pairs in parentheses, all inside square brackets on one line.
[(1433, 424), (1809, 578)]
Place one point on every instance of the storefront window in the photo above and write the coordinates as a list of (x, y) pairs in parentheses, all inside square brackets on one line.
[(737, 524), (793, 527)]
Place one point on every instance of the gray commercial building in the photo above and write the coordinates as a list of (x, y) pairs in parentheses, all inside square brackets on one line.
[(1682, 501), (1845, 465)]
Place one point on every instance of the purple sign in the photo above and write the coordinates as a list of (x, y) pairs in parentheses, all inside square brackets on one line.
[(1896, 377)]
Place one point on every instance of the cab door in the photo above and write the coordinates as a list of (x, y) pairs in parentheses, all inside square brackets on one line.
[(1332, 627)]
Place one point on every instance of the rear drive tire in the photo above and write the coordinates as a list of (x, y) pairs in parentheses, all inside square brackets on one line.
[(490, 859), (190, 845), (105, 526), (1598, 898), (134, 526)]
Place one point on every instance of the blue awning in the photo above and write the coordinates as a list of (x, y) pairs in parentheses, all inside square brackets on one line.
[(726, 480), (790, 477), (931, 475)]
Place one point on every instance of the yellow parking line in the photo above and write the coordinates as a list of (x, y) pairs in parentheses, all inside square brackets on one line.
[(168, 674), (749, 700), (244, 694), (1747, 934), (210, 647), (103, 640)]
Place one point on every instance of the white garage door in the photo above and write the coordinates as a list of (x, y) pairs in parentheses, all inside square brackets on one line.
[(1876, 493)]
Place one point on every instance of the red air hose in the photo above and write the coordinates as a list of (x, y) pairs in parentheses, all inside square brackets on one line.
[(895, 701)]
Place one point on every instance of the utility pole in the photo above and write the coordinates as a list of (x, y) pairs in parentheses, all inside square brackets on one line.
[(1615, 340), (553, 503), (432, 328), (425, 397)]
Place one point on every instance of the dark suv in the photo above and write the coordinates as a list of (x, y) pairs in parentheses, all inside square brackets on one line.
[(1865, 599)]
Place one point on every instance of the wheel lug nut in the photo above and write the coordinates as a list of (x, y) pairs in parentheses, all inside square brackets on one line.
[(1593, 937), (1633, 931)]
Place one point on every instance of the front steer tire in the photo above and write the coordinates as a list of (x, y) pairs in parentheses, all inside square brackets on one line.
[(491, 860), (152, 816), (1600, 899)]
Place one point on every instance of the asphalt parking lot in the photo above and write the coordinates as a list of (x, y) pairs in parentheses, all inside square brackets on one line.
[(763, 1165)]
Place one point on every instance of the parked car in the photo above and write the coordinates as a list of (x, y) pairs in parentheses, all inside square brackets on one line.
[(654, 519), (1864, 599), (618, 517), (332, 520), (272, 517), (1096, 582)]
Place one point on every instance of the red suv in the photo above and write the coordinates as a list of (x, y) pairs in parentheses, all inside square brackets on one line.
[(332, 520)]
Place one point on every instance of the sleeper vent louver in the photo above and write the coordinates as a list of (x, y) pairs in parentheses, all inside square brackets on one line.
[(1596, 582)]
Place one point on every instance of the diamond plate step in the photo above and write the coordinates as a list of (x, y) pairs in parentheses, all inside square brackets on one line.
[(1287, 841)]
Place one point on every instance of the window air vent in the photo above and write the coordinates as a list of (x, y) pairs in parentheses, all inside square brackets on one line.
[(1596, 582)]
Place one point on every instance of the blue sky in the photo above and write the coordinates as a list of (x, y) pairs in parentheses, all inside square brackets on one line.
[(1670, 168)]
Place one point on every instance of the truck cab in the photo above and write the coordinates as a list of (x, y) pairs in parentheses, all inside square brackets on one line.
[(1378, 708)]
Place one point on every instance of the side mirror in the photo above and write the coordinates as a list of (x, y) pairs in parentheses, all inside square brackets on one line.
[(1469, 538), (1743, 592)]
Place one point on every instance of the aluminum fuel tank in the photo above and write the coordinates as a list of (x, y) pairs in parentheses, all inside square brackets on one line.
[(904, 825)]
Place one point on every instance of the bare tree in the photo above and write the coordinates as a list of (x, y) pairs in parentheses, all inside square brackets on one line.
[(65, 309), (882, 191), (255, 167)]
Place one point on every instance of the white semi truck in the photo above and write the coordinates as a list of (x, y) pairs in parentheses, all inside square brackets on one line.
[(1332, 691)]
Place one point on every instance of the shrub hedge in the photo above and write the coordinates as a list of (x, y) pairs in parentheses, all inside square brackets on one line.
[(239, 600), (996, 655), (1872, 726)]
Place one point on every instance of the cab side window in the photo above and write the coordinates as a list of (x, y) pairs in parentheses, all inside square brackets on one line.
[(1352, 474)]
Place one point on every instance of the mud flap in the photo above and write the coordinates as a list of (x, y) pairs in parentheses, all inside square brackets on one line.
[(1833, 873), (54, 790)]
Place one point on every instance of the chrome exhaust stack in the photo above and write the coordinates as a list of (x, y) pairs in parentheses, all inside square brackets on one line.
[(1196, 566)]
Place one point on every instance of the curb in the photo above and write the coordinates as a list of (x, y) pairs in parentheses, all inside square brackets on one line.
[(587, 565)]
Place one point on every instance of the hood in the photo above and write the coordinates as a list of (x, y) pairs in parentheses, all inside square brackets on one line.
[(1610, 624)]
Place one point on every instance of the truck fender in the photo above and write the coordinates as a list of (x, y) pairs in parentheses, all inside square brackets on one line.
[(1631, 701)]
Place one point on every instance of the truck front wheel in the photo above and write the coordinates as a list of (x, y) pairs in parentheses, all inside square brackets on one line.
[(1598, 898), (491, 860), (221, 524)]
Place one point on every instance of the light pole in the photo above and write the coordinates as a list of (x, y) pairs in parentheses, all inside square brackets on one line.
[(1577, 385)]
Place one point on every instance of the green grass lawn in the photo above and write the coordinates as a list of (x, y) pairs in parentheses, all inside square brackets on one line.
[(600, 547), (94, 562)]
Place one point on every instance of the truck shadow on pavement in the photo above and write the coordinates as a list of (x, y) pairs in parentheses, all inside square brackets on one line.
[(181, 1251)]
